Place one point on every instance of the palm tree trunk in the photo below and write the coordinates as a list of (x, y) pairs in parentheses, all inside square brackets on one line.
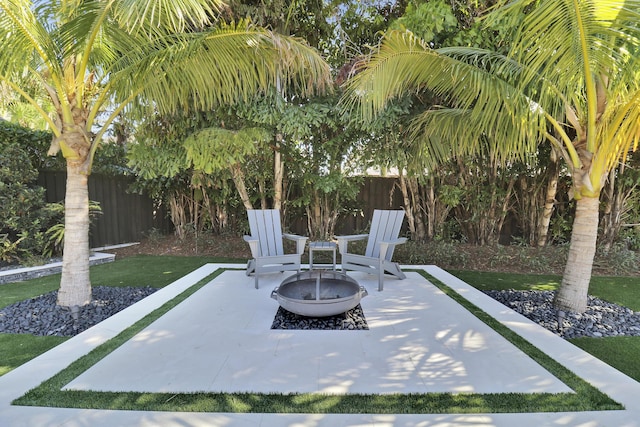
[(574, 289), (433, 220), (75, 284)]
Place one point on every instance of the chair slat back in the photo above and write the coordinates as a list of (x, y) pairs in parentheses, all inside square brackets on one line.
[(265, 226), (385, 225)]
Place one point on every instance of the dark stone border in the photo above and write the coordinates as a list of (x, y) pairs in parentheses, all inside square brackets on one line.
[(25, 273)]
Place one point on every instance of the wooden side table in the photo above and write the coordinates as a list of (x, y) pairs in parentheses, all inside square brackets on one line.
[(322, 246)]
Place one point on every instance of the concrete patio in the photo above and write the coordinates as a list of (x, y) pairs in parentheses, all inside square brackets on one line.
[(219, 340)]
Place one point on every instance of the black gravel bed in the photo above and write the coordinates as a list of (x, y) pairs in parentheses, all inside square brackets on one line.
[(351, 320), (601, 319), (41, 316)]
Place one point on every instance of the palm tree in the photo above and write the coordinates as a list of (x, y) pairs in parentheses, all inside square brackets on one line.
[(96, 59), (570, 79)]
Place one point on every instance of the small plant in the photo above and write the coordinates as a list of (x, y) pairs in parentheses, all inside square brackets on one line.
[(631, 237), (55, 233), (520, 241), (560, 229), (500, 257), (618, 259), (55, 238), (154, 235), (9, 249), (532, 260)]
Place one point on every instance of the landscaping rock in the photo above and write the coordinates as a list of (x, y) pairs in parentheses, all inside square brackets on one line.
[(41, 315), (351, 320), (601, 319)]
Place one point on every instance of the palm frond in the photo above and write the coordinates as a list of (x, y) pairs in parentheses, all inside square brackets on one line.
[(620, 133), (572, 42), (440, 133), (221, 66), (478, 87), (165, 16), (24, 39)]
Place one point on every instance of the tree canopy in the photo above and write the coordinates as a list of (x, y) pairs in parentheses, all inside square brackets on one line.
[(570, 78)]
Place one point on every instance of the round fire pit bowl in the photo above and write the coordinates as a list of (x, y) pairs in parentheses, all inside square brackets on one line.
[(319, 293)]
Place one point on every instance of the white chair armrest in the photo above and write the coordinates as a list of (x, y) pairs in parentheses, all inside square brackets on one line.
[(253, 245), (385, 245), (301, 241), (343, 241), (398, 241)]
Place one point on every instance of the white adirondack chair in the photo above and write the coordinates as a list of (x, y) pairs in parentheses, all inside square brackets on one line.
[(382, 241), (266, 244)]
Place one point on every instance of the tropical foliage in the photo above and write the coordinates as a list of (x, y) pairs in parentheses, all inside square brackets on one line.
[(96, 59), (569, 79), (24, 217), (487, 138)]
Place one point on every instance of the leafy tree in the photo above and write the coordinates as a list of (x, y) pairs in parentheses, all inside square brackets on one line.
[(212, 150), (355, 25), (428, 193), (323, 159), (572, 67), (486, 197), (535, 193), (193, 161), (621, 200), (132, 54)]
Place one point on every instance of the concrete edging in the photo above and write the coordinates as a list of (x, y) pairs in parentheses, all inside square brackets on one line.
[(26, 273)]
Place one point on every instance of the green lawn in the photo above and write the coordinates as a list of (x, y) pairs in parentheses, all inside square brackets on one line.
[(620, 290), (16, 349), (142, 270), (619, 352), (158, 271)]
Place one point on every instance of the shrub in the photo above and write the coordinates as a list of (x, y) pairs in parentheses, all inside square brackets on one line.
[(619, 259), (24, 216), (435, 252), (631, 237)]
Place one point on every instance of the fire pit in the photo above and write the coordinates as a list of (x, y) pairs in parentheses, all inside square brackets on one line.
[(319, 293)]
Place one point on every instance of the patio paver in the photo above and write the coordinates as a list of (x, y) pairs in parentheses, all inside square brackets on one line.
[(419, 341)]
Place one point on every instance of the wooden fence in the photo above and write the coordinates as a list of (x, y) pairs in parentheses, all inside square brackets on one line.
[(126, 216), (376, 193)]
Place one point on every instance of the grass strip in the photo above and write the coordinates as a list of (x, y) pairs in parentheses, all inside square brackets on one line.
[(585, 394), (585, 398), (17, 349)]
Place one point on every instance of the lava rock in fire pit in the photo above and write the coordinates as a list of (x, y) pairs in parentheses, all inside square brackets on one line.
[(351, 320)]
